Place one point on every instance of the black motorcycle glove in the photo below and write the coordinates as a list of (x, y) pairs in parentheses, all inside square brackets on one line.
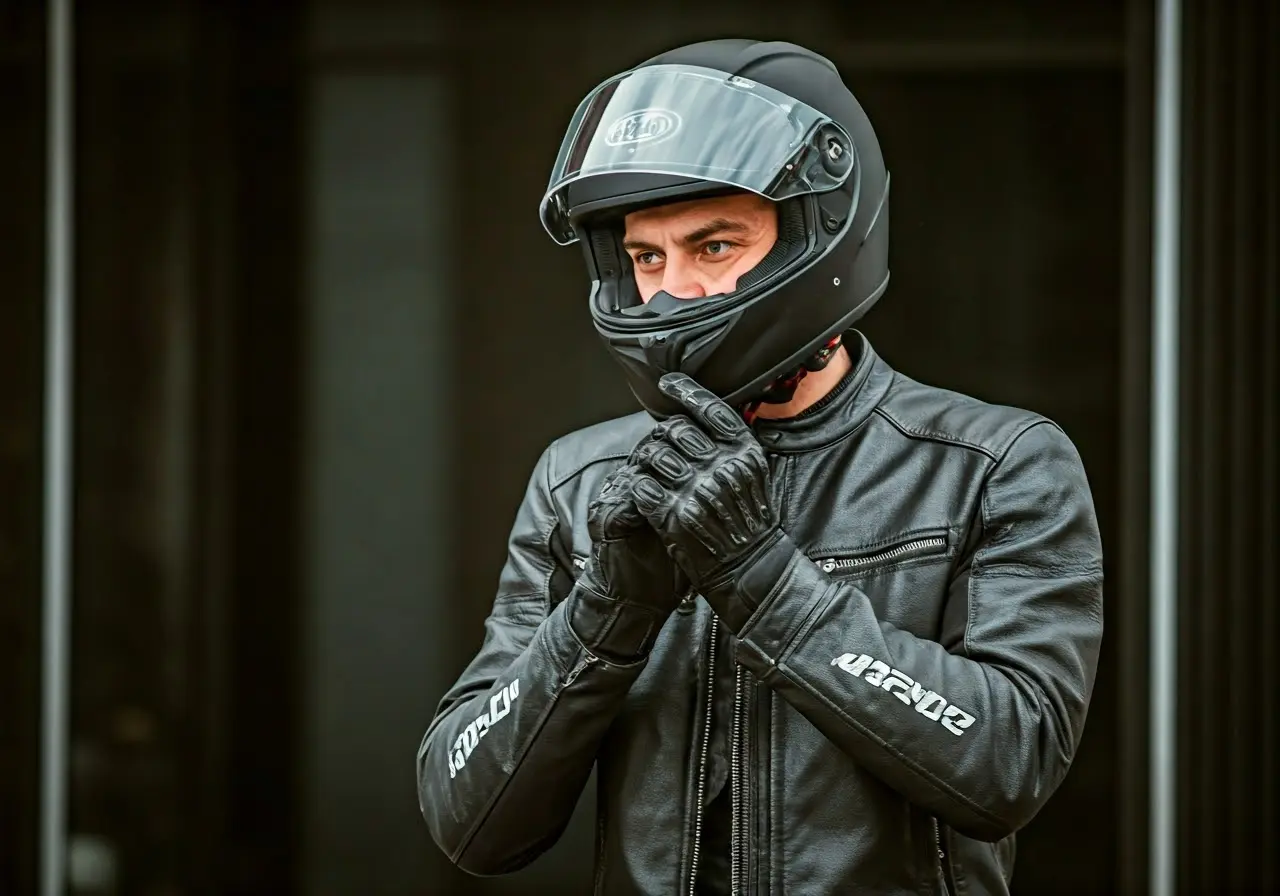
[(706, 490), (629, 585)]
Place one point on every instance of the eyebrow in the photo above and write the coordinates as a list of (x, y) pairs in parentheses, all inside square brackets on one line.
[(710, 229)]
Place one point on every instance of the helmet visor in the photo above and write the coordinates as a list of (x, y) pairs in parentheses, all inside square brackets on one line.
[(701, 124)]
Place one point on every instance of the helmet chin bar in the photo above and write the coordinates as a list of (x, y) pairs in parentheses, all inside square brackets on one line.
[(663, 302)]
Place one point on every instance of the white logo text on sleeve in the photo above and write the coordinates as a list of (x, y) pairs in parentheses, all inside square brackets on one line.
[(880, 675), (499, 706)]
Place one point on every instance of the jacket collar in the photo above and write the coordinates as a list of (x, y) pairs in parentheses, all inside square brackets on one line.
[(835, 420)]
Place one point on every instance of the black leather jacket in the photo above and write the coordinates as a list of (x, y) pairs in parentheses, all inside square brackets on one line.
[(912, 698)]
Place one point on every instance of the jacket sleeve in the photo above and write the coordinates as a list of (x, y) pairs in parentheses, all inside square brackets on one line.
[(979, 729), (513, 742)]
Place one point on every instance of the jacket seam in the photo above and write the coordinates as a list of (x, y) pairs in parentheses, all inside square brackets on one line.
[(553, 526), (929, 435), (817, 446), (581, 468), (517, 595), (976, 569)]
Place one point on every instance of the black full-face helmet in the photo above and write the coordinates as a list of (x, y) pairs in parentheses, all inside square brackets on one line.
[(721, 116)]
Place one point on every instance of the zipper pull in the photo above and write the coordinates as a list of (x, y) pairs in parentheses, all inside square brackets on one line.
[(687, 603), (587, 661)]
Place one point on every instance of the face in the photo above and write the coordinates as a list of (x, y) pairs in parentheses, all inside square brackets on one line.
[(701, 247)]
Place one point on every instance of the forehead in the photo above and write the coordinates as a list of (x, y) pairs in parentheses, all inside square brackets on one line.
[(744, 208)]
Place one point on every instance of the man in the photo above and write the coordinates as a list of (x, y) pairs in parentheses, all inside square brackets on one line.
[(820, 628)]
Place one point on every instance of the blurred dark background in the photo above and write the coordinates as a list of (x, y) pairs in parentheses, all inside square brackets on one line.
[(320, 339)]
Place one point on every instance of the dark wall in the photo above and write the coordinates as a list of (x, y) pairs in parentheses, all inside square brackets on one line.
[(22, 245)]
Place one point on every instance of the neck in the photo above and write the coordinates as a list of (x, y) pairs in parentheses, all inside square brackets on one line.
[(812, 389)]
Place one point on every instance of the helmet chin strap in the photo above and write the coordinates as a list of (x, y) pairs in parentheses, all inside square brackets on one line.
[(783, 389)]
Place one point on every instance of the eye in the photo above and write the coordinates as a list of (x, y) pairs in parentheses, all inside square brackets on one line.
[(644, 259), (717, 248)]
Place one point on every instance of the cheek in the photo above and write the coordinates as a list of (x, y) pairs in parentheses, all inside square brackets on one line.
[(647, 286)]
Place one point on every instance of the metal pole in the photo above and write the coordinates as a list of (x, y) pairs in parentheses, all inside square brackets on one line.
[(58, 460), (1164, 447)]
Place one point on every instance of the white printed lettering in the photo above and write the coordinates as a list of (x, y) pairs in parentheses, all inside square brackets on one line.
[(499, 706), (929, 704), (469, 738), (956, 720), (875, 676), (852, 663), (897, 680)]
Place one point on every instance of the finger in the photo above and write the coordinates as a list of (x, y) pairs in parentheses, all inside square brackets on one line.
[(739, 492), (613, 514), (667, 465), (613, 519), (650, 497), (691, 441), (656, 438), (651, 438), (693, 520), (716, 417), (757, 478), (625, 518), (721, 510)]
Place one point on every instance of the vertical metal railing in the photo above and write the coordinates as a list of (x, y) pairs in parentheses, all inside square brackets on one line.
[(1165, 336), (58, 453)]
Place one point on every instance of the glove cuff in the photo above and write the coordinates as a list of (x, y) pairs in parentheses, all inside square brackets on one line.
[(742, 590), (617, 631)]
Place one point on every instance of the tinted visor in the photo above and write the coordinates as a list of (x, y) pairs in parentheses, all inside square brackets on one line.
[(699, 124)]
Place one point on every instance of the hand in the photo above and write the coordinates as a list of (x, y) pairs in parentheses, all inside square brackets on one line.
[(707, 490), (630, 584)]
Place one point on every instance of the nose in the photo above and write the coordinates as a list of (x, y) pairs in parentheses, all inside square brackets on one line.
[(681, 280)]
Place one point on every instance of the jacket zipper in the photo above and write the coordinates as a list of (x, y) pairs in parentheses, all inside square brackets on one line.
[(918, 545), (585, 663), (737, 771), (702, 760), (942, 858)]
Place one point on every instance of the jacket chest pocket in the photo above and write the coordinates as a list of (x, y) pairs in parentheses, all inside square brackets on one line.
[(907, 548), (906, 577)]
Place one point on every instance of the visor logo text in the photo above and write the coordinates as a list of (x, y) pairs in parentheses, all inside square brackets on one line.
[(642, 126)]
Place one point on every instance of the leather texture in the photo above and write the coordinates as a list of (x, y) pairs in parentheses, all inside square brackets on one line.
[(907, 694)]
